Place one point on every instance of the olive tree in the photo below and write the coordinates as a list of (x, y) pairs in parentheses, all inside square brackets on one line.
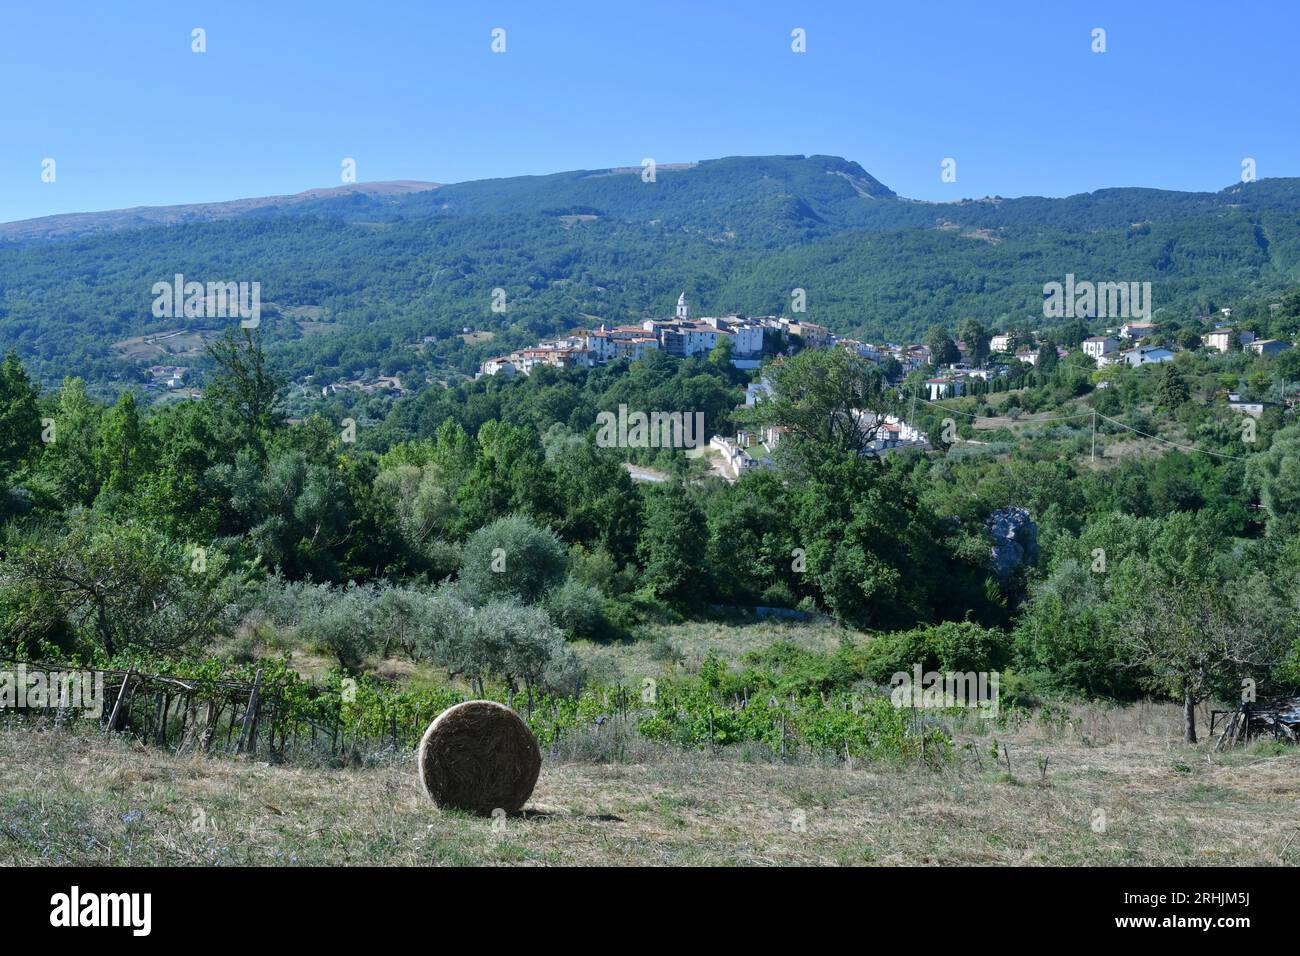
[(122, 586), (512, 558)]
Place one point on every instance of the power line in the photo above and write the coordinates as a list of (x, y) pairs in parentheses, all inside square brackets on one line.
[(1094, 415), (1203, 451), (957, 411)]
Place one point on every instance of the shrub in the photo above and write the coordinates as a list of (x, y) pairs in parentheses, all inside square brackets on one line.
[(511, 558), (951, 646), (578, 609)]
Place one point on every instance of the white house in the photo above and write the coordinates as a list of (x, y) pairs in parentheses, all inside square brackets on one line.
[(1268, 346), (1146, 355), (1221, 338), (890, 431), (747, 337), (1099, 345), (1136, 330), (1253, 409), (736, 459), (755, 392), (1000, 342), (944, 388), (500, 364)]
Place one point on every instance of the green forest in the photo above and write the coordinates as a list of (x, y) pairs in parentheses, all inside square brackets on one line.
[(480, 529), (576, 249)]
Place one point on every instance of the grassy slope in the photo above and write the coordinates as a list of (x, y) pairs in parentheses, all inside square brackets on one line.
[(73, 798)]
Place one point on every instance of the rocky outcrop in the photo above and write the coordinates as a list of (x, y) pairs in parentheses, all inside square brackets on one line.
[(1015, 540)]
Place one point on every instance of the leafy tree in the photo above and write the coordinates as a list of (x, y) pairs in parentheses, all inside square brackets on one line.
[(577, 609), (754, 520), (123, 587), (976, 337), (819, 397), (1171, 390), (176, 494), (1047, 357), (672, 546), (512, 557), (293, 513), (423, 508), (598, 503), (505, 640), (20, 420), (1196, 640), (243, 391), (943, 351), (70, 463), (509, 475), (121, 452), (1274, 476)]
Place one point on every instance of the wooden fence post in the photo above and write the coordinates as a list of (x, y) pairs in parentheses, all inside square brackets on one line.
[(249, 711), (117, 706)]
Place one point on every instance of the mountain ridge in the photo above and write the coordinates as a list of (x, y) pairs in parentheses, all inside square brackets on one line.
[(400, 274), (76, 224), (523, 194)]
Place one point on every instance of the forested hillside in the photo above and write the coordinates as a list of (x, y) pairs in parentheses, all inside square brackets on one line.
[(386, 269)]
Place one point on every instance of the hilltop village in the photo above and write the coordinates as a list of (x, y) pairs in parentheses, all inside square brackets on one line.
[(964, 368)]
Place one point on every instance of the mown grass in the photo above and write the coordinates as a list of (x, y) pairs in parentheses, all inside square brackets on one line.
[(71, 796)]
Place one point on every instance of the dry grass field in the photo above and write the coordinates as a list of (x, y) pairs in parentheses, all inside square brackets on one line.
[(1118, 788)]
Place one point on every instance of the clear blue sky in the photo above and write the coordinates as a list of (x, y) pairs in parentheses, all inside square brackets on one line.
[(411, 90)]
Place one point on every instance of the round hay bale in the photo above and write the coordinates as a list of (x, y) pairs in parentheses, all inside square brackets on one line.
[(479, 756)]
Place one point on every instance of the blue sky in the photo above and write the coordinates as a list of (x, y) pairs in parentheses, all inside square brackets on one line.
[(285, 91)]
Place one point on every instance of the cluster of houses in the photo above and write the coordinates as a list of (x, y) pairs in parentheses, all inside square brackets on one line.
[(383, 384), (680, 336), (683, 336), (167, 376), (1107, 350)]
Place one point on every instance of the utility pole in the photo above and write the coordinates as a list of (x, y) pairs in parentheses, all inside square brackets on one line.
[(1094, 436)]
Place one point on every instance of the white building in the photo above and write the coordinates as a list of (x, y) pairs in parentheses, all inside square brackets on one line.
[(1268, 346), (746, 337), (946, 387), (500, 364), (890, 432), (1221, 338), (1146, 355), (1099, 345), (756, 392), (1136, 330)]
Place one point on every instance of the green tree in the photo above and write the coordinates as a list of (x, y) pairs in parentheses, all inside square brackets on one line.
[(120, 450), (70, 463), (243, 392), (976, 337), (1274, 477), (672, 546), (512, 557), (820, 395), (943, 351), (1047, 358), (1171, 389), (20, 419), (123, 586)]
